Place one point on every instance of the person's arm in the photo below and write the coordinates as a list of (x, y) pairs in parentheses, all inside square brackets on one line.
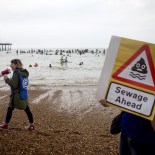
[(153, 123), (14, 82), (103, 102)]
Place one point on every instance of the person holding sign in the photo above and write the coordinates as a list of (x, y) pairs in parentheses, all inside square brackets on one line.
[(137, 134), (19, 93)]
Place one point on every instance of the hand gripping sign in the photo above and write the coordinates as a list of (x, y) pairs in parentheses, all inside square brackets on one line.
[(127, 80)]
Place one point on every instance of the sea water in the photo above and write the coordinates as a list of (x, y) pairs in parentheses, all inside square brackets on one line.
[(70, 73)]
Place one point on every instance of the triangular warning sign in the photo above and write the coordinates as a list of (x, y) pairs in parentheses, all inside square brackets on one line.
[(138, 70)]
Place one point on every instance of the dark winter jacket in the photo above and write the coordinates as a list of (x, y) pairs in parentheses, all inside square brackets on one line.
[(15, 100)]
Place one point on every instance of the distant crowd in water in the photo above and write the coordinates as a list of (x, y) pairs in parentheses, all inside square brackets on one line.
[(63, 52)]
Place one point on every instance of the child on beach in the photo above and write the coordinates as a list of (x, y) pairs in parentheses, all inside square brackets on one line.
[(19, 93)]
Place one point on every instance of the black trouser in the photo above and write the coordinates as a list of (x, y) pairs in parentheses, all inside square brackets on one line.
[(9, 114), (129, 146)]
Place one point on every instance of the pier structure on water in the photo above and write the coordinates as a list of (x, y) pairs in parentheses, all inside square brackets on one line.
[(5, 46)]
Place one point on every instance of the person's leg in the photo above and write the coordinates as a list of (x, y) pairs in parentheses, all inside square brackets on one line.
[(7, 119), (9, 115), (30, 117), (123, 146), (29, 114)]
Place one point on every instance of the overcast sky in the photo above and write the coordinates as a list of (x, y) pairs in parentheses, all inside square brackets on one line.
[(75, 23)]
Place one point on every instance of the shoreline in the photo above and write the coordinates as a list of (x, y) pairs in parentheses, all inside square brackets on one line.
[(33, 86)]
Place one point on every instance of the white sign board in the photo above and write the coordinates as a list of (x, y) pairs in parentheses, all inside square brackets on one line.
[(132, 99)]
